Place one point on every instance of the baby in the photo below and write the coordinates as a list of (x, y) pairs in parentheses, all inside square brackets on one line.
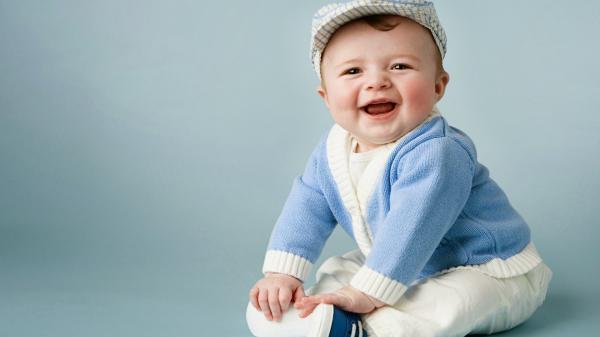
[(441, 252)]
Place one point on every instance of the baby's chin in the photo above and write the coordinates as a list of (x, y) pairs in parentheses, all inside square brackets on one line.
[(389, 133)]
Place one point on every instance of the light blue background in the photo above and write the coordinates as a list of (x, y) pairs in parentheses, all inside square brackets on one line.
[(147, 147)]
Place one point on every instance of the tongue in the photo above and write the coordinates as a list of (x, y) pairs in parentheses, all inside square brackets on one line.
[(379, 108)]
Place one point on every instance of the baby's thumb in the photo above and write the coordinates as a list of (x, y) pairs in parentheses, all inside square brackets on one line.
[(298, 294)]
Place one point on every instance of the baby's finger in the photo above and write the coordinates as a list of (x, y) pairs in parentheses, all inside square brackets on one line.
[(254, 297), (274, 304), (285, 297), (314, 299), (299, 294), (263, 302), (307, 310), (341, 301), (331, 299)]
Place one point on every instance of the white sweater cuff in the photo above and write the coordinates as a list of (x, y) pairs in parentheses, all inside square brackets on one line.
[(378, 285), (286, 263)]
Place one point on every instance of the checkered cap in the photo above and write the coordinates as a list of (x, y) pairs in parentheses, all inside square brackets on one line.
[(331, 17)]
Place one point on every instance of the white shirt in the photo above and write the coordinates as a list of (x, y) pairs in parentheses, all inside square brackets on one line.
[(359, 161)]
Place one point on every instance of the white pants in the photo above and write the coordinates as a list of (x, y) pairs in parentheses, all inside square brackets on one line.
[(457, 303)]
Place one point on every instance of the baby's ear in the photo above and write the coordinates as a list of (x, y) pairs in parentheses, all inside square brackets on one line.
[(323, 93), (440, 84)]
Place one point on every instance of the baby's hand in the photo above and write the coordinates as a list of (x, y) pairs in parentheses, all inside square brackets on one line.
[(273, 293), (347, 298)]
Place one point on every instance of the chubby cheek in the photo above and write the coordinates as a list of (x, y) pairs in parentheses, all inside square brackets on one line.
[(342, 104), (344, 98), (419, 95)]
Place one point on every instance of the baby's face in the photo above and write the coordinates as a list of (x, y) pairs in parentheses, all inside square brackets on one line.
[(379, 85)]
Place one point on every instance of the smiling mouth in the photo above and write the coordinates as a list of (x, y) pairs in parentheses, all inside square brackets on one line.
[(379, 108)]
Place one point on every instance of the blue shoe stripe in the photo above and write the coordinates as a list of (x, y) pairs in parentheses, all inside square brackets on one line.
[(346, 324)]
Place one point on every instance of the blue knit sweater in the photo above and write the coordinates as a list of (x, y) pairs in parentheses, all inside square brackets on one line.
[(423, 206)]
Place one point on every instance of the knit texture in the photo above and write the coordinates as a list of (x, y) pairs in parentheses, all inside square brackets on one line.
[(427, 206)]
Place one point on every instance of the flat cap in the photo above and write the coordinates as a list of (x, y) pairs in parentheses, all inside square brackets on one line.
[(331, 17)]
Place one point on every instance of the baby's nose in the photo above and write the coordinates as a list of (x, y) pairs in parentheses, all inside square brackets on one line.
[(378, 81)]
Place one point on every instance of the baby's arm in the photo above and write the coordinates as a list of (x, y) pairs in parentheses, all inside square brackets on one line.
[(347, 298), (273, 293), (296, 242), (303, 227)]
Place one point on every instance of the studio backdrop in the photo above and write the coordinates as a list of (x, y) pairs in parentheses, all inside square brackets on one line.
[(147, 147)]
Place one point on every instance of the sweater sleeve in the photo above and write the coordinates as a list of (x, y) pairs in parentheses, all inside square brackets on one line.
[(433, 184), (305, 224)]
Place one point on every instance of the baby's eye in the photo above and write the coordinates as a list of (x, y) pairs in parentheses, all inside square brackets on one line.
[(352, 71), (400, 66)]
